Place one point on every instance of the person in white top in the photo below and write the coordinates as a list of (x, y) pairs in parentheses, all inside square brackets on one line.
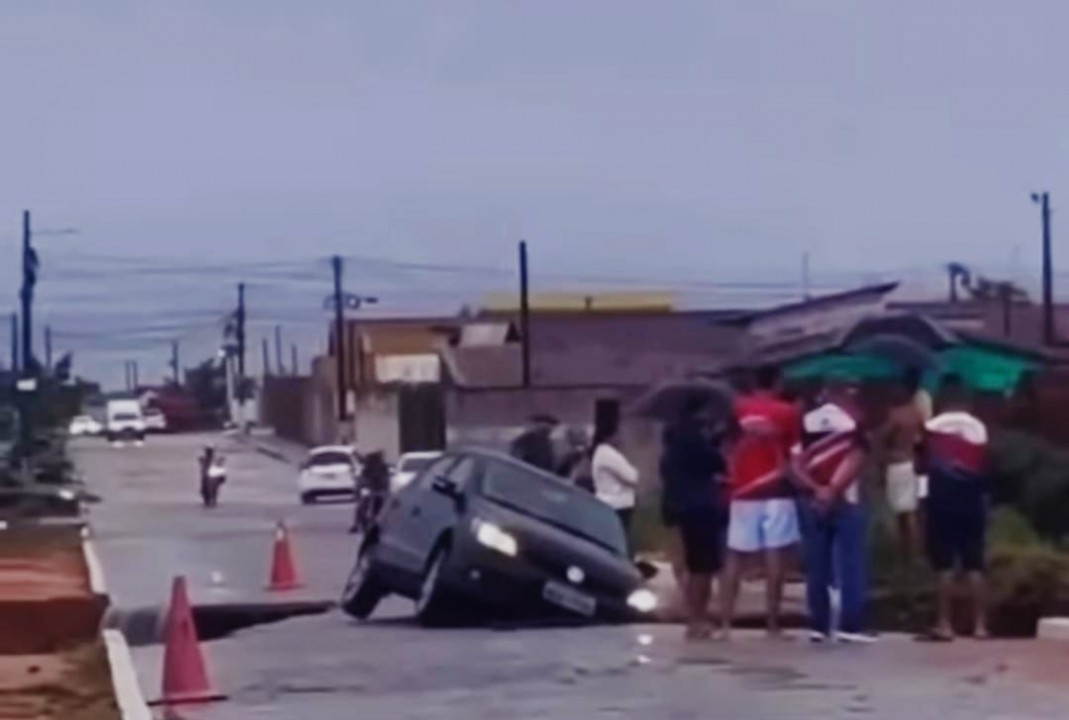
[(615, 478)]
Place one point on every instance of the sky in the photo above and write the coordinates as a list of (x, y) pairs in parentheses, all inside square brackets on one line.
[(706, 145)]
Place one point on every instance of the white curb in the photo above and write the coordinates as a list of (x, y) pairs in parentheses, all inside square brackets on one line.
[(95, 569), (1053, 628), (132, 705)]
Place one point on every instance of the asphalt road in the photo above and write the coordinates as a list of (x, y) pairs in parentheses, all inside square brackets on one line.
[(150, 528)]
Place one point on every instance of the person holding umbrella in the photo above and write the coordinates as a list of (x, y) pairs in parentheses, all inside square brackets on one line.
[(692, 469)]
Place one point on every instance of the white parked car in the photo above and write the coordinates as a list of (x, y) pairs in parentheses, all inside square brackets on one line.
[(155, 420), (329, 471), (85, 425), (409, 466)]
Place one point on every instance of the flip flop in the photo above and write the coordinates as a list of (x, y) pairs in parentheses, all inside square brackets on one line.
[(934, 636)]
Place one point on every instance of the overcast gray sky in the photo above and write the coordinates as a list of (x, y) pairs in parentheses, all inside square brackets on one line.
[(701, 140)]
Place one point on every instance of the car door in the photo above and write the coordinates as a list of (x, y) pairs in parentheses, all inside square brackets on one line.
[(399, 523), (438, 511)]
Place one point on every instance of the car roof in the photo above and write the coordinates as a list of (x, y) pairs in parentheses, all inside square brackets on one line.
[(422, 454), (331, 449), (498, 456)]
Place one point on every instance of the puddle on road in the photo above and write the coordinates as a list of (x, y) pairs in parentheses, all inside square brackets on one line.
[(143, 626)]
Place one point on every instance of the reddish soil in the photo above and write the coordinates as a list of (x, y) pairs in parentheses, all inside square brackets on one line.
[(52, 662), (71, 685)]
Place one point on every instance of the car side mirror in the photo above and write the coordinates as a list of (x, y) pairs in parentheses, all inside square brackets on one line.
[(646, 569)]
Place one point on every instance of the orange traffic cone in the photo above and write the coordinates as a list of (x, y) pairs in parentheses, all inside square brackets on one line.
[(283, 569), (185, 674)]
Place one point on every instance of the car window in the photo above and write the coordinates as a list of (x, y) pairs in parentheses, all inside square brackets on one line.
[(465, 472), (440, 467), (329, 458), (556, 503), (126, 416)]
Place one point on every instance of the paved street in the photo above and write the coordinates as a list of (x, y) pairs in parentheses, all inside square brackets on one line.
[(150, 527)]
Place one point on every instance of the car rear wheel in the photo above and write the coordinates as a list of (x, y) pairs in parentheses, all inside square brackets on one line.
[(363, 589), (433, 605)]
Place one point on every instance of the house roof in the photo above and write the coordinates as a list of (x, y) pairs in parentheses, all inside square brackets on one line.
[(815, 303)]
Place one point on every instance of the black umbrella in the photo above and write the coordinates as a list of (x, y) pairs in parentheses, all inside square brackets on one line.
[(666, 401), (897, 348)]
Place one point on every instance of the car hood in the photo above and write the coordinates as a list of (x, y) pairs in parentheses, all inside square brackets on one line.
[(554, 550)]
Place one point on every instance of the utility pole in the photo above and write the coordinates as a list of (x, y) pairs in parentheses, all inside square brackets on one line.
[(48, 347), (1043, 199), (339, 338), (239, 384), (279, 367), (175, 372), (14, 342), (267, 357), (29, 279), (293, 352), (135, 374), (241, 330), (525, 316), (805, 275)]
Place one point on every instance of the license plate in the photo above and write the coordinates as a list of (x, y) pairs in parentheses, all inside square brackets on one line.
[(569, 598)]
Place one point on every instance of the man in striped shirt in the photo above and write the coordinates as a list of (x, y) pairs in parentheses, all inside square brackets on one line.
[(955, 456), (827, 469)]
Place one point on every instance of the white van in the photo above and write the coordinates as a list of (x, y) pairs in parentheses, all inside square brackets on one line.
[(125, 421)]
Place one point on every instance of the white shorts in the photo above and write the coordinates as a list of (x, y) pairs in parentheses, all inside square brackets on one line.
[(902, 487), (757, 525)]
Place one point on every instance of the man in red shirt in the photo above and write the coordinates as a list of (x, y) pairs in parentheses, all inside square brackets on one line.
[(764, 517)]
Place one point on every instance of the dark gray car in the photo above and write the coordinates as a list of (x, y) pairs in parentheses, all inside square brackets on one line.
[(480, 530)]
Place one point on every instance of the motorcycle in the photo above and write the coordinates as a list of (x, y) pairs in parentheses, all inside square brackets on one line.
[(213, 480), (368, 506)]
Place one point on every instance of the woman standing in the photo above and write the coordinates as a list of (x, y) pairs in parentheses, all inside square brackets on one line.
[(615, 478)]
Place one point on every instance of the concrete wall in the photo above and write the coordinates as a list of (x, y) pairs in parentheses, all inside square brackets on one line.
[(377, 426), (493, 418)]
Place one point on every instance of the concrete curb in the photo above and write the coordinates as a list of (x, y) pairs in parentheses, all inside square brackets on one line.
[(1053, 628), (96, 571), (131, 701), (132, 705)]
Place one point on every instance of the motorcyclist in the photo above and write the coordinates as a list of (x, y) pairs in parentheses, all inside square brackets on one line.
[(372, 489), (212, 476)]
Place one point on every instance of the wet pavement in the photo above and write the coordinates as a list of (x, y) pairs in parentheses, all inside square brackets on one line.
[(326, 666)]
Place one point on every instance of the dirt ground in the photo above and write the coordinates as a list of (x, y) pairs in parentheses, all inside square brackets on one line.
[(72, 685)]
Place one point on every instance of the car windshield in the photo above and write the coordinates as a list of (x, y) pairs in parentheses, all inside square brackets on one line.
[(556, 503), (415, 464), (126, 416), (329, 457)]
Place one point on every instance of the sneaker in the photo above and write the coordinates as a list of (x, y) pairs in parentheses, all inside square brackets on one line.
[(819, 638), (859, 638)]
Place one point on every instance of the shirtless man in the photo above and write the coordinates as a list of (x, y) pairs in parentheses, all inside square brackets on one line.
[(900, 437)]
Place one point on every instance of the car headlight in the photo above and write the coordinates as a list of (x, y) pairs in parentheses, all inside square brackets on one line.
[(642, 600), (67, 495), (493, 537)]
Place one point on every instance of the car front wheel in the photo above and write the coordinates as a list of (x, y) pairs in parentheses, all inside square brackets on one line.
[(363, 589), (433, 605)]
